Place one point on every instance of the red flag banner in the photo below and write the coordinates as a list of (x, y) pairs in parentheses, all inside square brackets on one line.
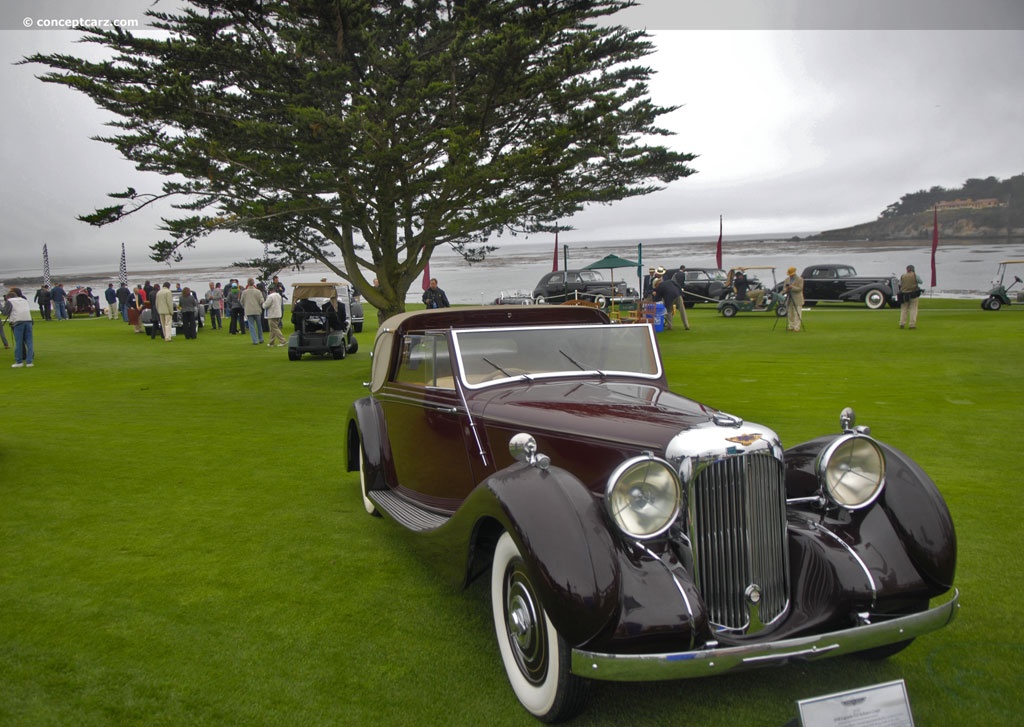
[(718, 250), (426, 276), (935, 241), (554, 261)]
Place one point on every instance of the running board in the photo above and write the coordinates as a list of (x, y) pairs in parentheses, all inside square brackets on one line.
[(405, 513)]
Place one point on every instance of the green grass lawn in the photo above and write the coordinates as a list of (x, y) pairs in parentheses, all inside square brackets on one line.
[(179, 543)]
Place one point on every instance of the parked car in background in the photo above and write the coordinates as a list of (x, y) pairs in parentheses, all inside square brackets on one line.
[(355, 309), (832, 282), (704, 285), (588, 285), (630, 533), (514, 297), (146, 316)]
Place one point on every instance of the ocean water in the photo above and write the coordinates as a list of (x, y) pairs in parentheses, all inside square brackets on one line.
[(965, 268)]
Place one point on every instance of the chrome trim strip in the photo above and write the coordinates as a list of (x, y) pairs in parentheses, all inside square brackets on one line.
[(853, 554), (712, 662), (472, 424), (678, 585)]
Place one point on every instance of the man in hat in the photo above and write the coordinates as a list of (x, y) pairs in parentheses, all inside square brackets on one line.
[(793, 287)]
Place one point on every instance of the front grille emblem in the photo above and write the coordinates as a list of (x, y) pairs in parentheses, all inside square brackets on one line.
[(744, 439)]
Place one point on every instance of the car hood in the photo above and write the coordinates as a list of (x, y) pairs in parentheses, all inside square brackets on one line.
[(630, 414)]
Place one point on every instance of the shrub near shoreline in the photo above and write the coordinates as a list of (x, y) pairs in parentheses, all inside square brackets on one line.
[(181, 544)]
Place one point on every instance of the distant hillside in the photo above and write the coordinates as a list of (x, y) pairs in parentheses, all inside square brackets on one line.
[(981, 208)]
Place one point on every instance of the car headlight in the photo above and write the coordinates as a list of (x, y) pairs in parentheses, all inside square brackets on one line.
[(643, 496), (852, 471)]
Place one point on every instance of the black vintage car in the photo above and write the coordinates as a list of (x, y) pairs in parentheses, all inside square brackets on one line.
[(586, 285), (628, 532), (704, 285), (832, 282)]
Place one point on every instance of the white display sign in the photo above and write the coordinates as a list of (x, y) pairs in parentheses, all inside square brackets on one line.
[(882, 705)]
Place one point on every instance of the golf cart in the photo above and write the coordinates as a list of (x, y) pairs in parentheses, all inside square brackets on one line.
[(1000, 295), (753, 297), (320, 329)]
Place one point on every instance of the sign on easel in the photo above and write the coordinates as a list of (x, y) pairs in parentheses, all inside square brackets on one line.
[(882, 705)]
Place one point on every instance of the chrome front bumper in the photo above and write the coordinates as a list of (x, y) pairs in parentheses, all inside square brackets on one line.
[(715, 661)]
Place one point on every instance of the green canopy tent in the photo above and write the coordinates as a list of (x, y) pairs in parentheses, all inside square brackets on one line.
[(611, 262)]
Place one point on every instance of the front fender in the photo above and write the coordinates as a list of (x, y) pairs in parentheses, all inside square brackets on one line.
[(858, 294), (560, 529), (920, 516), (365, 429), (912, 503)]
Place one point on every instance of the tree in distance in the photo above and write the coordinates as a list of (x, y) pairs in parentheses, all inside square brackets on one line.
[(365, 134)]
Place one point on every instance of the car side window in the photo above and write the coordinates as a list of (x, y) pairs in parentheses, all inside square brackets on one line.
[(424, 361)]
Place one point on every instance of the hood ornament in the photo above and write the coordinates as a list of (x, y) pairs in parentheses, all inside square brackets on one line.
[(722, 419)]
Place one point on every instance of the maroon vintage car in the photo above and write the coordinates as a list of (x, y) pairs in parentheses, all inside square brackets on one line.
[(631, 533)]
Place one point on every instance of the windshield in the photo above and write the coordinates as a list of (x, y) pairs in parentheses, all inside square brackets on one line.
[(494, 354)]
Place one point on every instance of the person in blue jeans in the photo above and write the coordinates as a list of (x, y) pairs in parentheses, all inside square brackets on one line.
[(60, 302), (252, 304), (21, 322)]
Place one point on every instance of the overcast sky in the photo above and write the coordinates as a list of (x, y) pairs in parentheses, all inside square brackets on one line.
[(803, 121)]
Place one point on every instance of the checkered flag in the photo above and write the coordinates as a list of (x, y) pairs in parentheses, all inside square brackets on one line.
[(46, 267), (122, 273)]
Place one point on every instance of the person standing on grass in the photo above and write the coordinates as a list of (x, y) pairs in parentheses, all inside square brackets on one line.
[(910, 291), (124, 300), (793, 287), (252, 305), (21, 322), (111, 297), (60, 302), (189, 312), (274, 306), (232, 297), (215, 304), (434, 297), (163, 306), (5, 311), (679, 278), (45, 301)]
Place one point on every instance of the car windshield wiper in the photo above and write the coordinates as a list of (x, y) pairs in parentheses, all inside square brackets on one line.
[(505, 371), (580, 366)]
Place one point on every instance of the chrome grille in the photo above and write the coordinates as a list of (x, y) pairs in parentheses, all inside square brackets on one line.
[(738, 533)]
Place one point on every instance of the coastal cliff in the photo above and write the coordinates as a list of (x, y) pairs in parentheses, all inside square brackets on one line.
[(980, 209)]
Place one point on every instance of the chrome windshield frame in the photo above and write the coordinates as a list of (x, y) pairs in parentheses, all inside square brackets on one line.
[(569, 367)]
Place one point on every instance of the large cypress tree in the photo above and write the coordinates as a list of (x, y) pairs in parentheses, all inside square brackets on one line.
[(365, 134)]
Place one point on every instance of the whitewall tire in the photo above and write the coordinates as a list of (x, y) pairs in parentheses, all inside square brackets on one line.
[(535, 657)]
